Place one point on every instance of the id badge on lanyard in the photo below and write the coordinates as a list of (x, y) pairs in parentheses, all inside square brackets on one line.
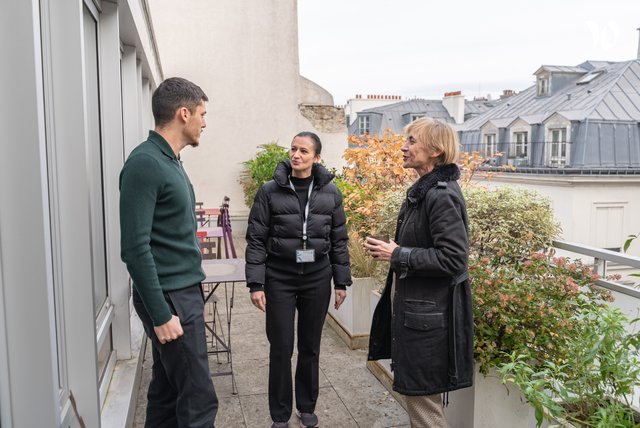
[(304, 255)]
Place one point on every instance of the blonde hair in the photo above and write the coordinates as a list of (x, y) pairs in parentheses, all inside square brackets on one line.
[(437, 136)]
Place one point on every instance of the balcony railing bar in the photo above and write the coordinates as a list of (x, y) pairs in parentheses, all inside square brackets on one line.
[(620, 288), (599, 253), (600, 259)]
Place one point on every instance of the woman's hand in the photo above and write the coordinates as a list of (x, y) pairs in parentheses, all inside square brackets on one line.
[(340, 296), (259, 300), (378, 249)]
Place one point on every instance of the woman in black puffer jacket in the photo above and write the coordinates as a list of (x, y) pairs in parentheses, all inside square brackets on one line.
[(424, 320), (289, 265)]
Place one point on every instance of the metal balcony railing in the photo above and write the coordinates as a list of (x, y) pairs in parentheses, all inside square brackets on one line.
[(601, 258)]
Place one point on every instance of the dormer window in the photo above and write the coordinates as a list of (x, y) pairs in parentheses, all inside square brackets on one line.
[(543, 86), (490, 145), (363, 124)]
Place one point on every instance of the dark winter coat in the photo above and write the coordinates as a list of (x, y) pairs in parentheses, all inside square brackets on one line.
[(429, 334), (274, 232)]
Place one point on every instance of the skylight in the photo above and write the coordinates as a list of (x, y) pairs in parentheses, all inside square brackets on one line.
[(588, 77)]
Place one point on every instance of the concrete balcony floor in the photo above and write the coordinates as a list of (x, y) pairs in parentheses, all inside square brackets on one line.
[(350, 396)]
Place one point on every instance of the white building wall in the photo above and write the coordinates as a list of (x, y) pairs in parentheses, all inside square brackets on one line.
[(63, 114), (244, 55), (356, 105)]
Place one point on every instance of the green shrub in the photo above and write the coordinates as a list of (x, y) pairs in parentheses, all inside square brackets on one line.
[(260, 169), (594, 385), (507, 224)]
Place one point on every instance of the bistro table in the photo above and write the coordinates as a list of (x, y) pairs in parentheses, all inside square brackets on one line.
[(205, 215), (226, 272)]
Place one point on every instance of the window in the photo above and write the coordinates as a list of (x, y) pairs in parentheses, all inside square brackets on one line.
[(103, 308), (521, 144), (588, 77), (543, 86), (558, 148), (415, 117), (519, 149), (363, 124), (490, 145)]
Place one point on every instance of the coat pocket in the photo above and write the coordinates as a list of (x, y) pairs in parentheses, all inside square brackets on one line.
[(424, 321), (420, 306)]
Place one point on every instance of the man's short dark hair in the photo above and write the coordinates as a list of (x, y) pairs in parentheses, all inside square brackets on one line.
[(172, 94)]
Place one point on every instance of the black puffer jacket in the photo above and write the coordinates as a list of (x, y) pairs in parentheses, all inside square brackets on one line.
[(429, 337), (275, 228)]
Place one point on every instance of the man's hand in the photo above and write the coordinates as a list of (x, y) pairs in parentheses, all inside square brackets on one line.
[(171, 330), (340, 296), (259, 300)]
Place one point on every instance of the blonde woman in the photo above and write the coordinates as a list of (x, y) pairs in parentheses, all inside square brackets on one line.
[(424, 320)]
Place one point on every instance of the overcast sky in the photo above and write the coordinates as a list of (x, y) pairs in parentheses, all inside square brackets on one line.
[(422, 48)]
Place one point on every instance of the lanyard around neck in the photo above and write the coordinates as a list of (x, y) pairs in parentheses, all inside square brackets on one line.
[(306, 211)]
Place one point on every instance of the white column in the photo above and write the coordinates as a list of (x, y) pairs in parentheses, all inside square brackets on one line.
[(113, 159), (130, 108)]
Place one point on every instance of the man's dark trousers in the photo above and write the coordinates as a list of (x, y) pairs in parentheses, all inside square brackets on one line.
[(181, 393)]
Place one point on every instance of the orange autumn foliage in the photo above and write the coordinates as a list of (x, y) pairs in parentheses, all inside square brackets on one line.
[(374, 169), (374, 166)]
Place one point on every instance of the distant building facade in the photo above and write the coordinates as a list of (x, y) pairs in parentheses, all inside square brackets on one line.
[(360, 103), (452, 108), (574, 136), (574, 119)]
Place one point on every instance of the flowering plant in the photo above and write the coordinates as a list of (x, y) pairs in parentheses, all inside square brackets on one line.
[(524, 297), (529, 307)]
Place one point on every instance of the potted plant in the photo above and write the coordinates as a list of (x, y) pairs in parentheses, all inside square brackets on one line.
[(352, 321), (524, 297), (373, 168), (259, 170), (594, 385)]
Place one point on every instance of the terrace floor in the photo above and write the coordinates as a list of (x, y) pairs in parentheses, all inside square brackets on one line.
[(350, 396)]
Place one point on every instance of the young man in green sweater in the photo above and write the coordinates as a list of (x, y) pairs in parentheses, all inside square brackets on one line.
[(162, 253)]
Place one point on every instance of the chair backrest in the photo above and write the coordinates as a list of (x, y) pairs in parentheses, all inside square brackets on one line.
[(225, 222), (210, 249)]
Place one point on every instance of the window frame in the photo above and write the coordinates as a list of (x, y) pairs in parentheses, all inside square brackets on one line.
[(559, 160), (543, 85), (364, 124), (490, 144)]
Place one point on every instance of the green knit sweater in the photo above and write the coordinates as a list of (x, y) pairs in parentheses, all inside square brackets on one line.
[(158, 225)]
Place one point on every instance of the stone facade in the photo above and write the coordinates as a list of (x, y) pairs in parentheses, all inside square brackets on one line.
[(324, 118)]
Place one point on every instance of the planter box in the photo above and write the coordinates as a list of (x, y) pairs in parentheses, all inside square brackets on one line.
[(352, 321), (494, 404), (487, 404)]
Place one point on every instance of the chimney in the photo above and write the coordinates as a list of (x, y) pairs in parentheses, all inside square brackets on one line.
[(506, 93), (454, 103)]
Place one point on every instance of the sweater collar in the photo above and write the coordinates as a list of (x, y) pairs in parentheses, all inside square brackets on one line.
[(448, 172), (321, 175), (162, 144)]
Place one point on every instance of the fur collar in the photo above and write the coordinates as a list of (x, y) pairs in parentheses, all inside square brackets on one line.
[(448, 172), (321, 176)]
